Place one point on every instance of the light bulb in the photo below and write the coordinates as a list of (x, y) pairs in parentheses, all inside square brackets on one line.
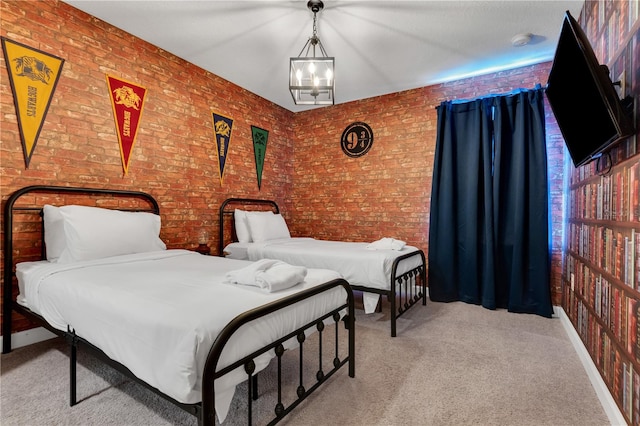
[(312, 67)]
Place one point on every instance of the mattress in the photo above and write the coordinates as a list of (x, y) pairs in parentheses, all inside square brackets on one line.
[(159, 313), (355, 263)]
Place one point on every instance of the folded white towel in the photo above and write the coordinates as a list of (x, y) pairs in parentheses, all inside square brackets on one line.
[(268, 274), (281, 276), (387, 244)]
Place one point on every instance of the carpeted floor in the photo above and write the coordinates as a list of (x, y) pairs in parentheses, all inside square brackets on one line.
[(451, 364)]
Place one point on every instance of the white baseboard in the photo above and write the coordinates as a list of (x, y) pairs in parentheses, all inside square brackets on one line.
[(608, 404), (28, 337)]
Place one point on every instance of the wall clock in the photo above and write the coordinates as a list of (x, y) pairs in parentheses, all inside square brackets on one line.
[(356, 139)]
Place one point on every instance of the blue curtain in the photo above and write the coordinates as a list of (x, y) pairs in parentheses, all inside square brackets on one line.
[(489, 227)]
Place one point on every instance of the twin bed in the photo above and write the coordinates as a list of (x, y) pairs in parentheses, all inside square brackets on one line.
[(254, 229), (170, 319)]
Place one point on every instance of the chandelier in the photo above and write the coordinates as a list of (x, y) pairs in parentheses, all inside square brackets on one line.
[(310, 76)]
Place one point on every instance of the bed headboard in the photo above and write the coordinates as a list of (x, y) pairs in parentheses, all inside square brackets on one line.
[(228, 206), (23, 216)]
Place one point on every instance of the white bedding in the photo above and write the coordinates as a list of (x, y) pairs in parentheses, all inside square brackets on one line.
[(355, 263), (159, 313)]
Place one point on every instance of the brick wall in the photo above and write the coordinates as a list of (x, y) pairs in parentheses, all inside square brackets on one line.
[(322, 192)]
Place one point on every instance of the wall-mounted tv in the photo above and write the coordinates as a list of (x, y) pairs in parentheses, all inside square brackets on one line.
[(589, 112)]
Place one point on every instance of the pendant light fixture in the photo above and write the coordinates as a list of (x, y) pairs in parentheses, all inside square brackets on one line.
[(310, 76)]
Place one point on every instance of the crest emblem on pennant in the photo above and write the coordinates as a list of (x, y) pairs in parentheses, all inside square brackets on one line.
[(260, 137), (34, 76), (222, 127), (127, 100)]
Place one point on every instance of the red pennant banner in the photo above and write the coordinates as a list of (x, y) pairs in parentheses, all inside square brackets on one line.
[(127, 100)]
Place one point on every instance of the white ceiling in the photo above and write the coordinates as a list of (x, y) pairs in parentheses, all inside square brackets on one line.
[(380, 47)]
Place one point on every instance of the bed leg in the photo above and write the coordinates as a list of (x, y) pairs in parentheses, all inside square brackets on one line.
[(6, 340), (392, 301), (351, 325), (72, 374), (73, 358), (254, 386)]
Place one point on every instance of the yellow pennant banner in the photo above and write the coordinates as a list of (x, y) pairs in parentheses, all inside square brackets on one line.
[(127, 100), (34, 76)]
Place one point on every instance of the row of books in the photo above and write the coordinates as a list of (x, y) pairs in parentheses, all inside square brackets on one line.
[(616, 367), (609, 25), (611, 197), (615, 308), (614, 251)]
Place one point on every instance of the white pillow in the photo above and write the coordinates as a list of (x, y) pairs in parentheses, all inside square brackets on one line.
[(243, 232), (54, 239), (267, 227), (242, 228), (95, 233)]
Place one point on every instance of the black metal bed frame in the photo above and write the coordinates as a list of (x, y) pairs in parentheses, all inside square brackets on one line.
[(204, 410), (405, 289)]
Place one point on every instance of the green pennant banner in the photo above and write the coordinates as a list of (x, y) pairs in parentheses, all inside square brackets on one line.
[(260, 137)]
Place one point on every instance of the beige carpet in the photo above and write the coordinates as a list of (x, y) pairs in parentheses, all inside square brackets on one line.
[(451, 364)]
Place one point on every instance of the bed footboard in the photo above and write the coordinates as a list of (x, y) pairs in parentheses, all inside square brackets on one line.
[(211, 372), (406, 288)]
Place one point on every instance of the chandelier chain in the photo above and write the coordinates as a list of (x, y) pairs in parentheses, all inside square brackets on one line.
[(315, 31)]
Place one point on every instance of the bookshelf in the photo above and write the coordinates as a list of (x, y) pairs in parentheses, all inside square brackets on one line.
[(601, 256), (601, 273)]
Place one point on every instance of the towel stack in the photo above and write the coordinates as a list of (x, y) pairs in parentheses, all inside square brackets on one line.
[(268, 274), (387, 244)]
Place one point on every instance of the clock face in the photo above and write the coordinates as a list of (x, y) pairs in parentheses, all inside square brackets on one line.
[(356, 139)]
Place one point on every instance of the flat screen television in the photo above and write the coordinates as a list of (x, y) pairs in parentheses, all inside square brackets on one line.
[(582, 96)]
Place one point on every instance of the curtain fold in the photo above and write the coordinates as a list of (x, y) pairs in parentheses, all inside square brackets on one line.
[(488, 234), (459, 219)]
